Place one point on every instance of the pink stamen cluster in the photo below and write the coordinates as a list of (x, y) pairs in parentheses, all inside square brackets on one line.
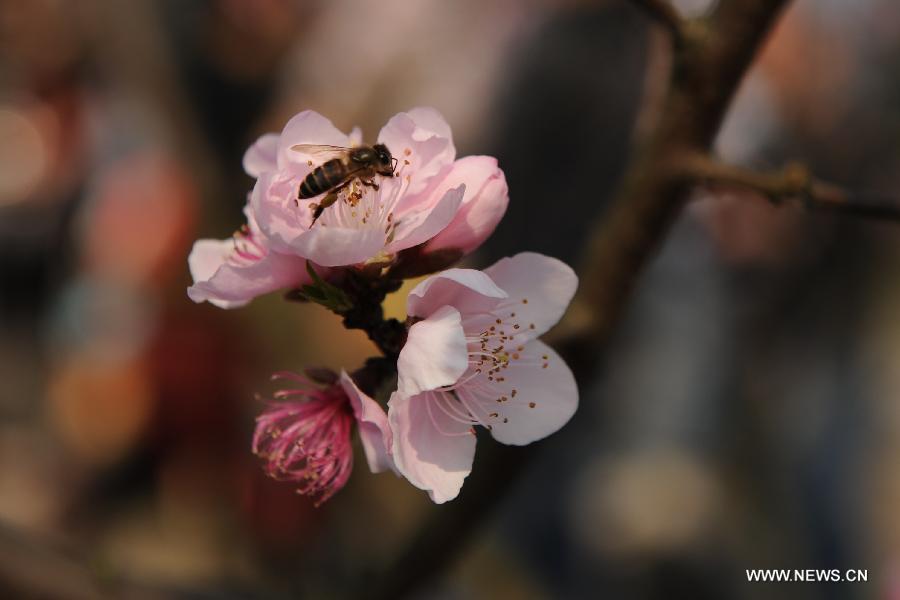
[(247, 248), (305, 437)]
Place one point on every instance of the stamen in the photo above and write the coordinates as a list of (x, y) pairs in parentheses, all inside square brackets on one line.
[(434, 423)]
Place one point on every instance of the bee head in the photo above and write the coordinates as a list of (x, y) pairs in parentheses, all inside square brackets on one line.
[(384, 159)]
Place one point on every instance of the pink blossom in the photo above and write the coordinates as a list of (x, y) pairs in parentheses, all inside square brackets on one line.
[(483, 204), (305, 434), (473, 358), (229, 273), (430, 193)]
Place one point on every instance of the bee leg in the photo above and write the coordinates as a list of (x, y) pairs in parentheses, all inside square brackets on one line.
[(370, 183), (327, 201)]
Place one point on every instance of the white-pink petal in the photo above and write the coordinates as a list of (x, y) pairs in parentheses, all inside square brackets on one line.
[(468, 290), (262, 156), (545, 397), (307, 127), (228, 284), (420, 139), (277, 219), (430, 121), (374, 429), (207, 256), (338, 246), (434, 354), (484, 204), (415, 228), (431, 450), (540, 288)]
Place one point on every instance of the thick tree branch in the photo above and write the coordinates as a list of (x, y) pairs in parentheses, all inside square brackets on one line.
[(793, 182), (705, 75)]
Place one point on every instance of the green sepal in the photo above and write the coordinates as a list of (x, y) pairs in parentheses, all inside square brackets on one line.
[(321, 292)]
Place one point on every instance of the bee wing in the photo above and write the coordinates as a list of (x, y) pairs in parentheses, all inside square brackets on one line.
[(320, 151)]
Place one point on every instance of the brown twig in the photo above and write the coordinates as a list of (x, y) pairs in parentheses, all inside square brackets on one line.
[(665, 14), (793, 182), (705, 74)]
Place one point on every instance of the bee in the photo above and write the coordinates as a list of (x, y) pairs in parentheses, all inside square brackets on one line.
[(341, 167)]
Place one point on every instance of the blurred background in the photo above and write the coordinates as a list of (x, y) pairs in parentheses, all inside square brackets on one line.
[(745, 417)]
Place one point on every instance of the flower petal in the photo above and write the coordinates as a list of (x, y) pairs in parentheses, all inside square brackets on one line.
[(484, 203), (207, 256), (338, 246), (434, 355), (431, 120), (262, 155), (540, 287), (433, 451), (414, 229), (228, 285), (307, 127), (374, 430), (273, 212), (468, 290), (536, 400), (421, 140)]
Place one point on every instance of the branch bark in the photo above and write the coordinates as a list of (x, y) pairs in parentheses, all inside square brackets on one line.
[(705, 76), (707, 68)]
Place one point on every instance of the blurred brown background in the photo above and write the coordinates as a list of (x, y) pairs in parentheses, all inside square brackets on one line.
[(746, 416)]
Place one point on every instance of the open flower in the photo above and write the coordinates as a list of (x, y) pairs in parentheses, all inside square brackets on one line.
[(473, 358), (229, 273), (305, 434), (428, 193)]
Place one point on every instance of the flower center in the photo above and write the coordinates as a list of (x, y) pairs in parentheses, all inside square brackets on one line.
[(360, 206), (492, 349)]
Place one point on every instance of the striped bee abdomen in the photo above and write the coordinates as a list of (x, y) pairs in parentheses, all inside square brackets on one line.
[(323, 178)]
